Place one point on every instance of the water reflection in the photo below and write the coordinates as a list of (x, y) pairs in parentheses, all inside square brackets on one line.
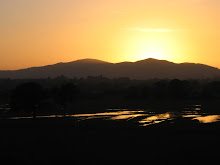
[(128, 117), (208, 119), (30, 117), (190, 116), (118, 114), (197, 107), (144, 117), (155, 119), (193, 108)]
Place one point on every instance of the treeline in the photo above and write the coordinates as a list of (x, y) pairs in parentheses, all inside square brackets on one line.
[(50, 94)]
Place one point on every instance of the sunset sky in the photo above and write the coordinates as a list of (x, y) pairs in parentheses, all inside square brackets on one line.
[(43, 32)]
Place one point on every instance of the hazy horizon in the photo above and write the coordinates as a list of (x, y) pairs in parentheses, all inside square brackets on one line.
[(107, 62), (44, 32)]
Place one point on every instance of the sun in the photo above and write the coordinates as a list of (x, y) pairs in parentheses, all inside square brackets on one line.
[(152, 49), (140, 46), (154, 54)]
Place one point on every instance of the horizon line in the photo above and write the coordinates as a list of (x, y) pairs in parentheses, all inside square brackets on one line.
[(108, 62)]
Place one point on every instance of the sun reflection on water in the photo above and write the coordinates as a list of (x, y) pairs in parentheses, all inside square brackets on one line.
[(126, 116), (208, 119), (116, 113), (155, 119), (143, 117)]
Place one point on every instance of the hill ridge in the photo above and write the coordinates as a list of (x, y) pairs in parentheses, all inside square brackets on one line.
[(142, 69)]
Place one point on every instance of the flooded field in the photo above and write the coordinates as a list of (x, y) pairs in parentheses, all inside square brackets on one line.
[(187, 133), (144, 117), (147, 117)]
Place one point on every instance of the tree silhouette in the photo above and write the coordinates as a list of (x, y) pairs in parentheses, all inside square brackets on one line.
[(160, 89), (27, 97), (211, 90), (65, 94), (179, 89)]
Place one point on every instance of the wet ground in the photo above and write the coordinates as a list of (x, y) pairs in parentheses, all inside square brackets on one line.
[(189, 135), (139, 117)]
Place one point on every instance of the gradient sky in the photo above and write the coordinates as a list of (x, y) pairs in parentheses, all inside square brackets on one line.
[(42, 32)]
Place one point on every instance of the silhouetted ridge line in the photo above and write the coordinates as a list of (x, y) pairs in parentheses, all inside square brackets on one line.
[(89, 60), (152, 60), (143, 69)]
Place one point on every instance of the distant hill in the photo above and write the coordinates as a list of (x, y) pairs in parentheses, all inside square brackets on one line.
[(144, 69)]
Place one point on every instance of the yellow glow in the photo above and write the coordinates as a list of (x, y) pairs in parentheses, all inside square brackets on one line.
[(137, 45), (208, 119), (155, 55), (126, 116), (36, 33), (155, 118), (152, 50)]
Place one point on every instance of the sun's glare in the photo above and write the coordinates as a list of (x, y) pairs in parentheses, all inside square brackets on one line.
[(152, 51), (154, 55), (137, 45)]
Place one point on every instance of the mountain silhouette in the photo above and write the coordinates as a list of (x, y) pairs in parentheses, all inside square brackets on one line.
[(143, 69)]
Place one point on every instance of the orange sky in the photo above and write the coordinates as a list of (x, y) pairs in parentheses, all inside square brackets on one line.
[(42, 32)]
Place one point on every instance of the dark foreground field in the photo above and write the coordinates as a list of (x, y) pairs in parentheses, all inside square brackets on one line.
[(63, 141)]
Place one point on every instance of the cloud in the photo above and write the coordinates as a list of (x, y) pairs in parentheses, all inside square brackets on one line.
[(154, 30)]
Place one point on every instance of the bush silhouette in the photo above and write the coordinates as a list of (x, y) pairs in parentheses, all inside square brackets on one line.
[(27, 97), (65, 94)]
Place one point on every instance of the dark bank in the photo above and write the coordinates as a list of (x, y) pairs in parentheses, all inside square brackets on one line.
[(109, 121)]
